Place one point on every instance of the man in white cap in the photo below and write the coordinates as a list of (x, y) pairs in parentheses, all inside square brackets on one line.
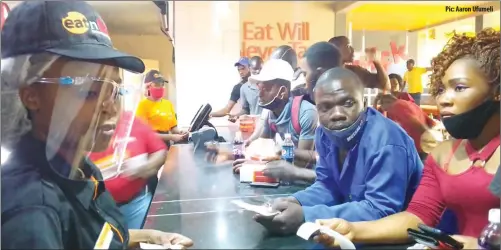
[(286, 114)]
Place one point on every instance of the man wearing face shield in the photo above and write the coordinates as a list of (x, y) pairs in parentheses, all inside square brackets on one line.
[(368, 167), (249, 93), (61, 96)]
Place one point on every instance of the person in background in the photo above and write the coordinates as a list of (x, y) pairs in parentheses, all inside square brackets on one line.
[(413, 78), (255, 65), (58, 103), (368, 167), (249, 93), (159, 112), (288, 54), (397, 88), (400, 108), (370, 80), (318, 58), (244, 72), (274, 95), (457, 173), (145, 153)]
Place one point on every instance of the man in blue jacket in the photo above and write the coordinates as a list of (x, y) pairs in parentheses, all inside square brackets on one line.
[(368, 166)]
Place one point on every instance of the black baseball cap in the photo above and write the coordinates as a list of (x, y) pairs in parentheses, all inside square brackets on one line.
[(154, 76), (67, 28)]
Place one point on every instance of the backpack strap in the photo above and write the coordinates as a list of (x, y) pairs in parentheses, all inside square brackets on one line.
[(296, 106)]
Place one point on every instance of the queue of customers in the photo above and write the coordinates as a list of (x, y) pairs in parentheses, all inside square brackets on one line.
[(372, 179), (85, 170)]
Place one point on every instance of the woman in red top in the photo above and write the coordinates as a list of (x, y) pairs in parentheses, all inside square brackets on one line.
[(145, 153), (401, 109), (457, 174)]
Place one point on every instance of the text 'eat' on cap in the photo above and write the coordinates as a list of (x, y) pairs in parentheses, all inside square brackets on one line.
[(68, 28)]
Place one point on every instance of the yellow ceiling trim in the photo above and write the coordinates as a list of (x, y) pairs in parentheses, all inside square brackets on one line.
[(401, 16)]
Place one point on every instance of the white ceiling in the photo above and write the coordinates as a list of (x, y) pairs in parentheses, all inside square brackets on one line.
[(125, 17)]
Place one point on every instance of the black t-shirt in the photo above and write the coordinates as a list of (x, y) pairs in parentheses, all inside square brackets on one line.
[(42, 209), (235, 92)]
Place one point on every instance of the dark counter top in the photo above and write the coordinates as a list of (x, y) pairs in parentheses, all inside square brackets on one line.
[(193, 198)]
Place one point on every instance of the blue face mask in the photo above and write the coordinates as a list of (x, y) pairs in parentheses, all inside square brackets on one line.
[(347, 138)]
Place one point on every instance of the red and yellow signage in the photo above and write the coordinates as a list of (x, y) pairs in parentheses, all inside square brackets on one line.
[(294, 34), (265, 26)]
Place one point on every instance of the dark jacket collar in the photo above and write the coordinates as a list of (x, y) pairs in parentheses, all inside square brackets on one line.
[(33, 152)]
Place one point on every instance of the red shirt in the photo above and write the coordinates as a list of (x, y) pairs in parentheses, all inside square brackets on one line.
[(466, 194), (141, 142), (404, 96), (411, 118)]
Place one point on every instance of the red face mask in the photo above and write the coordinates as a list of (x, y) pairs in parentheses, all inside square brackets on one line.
[(157, 93)]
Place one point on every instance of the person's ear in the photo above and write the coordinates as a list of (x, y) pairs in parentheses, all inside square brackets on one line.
[(283, 93), (30, 98)]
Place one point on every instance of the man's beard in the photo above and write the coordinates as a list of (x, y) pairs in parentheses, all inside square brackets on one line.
[(246, 78)]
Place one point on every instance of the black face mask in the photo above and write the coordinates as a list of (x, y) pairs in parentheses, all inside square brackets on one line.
[(470, 124), (275, 103)]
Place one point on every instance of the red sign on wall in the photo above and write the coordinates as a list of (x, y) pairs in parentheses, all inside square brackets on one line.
[(4, 12), (395, 55)]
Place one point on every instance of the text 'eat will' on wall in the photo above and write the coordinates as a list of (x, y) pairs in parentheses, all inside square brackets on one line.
[(266, 25), (256, 38)]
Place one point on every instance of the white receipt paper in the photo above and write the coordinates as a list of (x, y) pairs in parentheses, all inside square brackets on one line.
[(310, 229), (155, 246), (262, 210)]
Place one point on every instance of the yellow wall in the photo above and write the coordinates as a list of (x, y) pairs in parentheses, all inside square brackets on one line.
[(377, 16), (492, 20), (263, 26)]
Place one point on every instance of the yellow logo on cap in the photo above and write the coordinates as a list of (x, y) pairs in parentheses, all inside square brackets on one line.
[(75, 23)]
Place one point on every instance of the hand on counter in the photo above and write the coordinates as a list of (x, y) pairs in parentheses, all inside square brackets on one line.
[(237, 164), (232, 118), (281, 169), (288, 221), (217, 155), (180, 137), (341, 226), (159, 238)]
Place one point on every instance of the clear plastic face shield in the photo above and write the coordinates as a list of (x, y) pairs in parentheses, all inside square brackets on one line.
[(116, 159), (76, 108)]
